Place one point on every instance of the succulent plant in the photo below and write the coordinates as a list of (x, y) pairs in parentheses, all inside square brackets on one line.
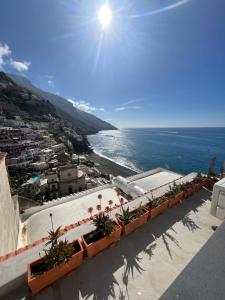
[(104, 224)]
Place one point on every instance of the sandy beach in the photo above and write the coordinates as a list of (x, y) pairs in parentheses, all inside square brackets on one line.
[(109, 167)]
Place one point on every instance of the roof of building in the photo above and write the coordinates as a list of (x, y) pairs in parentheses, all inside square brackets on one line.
[(142, 265), (76, 207)]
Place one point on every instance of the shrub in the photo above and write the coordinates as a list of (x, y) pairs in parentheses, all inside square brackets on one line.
[(57, 251), (104, 224), (125, 216), (155, 202), (173, 190)]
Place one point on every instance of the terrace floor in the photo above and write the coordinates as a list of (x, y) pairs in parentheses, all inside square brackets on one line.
[(142, 265)]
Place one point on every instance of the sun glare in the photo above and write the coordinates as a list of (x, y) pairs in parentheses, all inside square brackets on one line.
[(105, 16)]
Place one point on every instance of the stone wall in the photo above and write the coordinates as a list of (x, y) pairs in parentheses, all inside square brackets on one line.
[(9, 213)]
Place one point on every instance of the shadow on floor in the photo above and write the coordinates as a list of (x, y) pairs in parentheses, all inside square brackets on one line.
[(95, 278)]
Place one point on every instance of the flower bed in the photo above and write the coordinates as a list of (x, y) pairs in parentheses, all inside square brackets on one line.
[(174, 195), (156, 207), (130, 221), (39, 276), (94, 242)]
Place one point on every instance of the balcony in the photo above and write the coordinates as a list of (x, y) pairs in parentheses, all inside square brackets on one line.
[(141, 266)]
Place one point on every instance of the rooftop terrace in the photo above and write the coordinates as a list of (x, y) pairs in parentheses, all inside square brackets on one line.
[(141, 266)]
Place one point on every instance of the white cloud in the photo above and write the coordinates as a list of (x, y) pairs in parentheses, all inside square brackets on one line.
[(134, 101), (4, 51), (121, 108), (85, 106), (51, 83), (20, 65)]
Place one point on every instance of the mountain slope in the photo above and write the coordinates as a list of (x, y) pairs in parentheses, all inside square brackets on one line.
[(88, 123), (15, 100)]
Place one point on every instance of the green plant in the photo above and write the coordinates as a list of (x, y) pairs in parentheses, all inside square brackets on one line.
[(211, 167), (173, 190), (155, 202), (104, 224), (56, 251), (126, 217), (139, 211)]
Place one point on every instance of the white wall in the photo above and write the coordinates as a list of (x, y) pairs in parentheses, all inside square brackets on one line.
[(9, 214)]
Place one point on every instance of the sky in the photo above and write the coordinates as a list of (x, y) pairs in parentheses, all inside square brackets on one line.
[(159, 63)]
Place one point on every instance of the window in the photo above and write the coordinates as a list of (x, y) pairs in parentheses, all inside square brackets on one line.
[(70, 190)]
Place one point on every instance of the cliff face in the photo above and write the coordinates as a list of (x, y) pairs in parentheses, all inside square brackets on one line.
[(87, 123)]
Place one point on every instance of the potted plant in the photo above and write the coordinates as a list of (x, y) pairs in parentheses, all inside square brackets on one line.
[(211, 178), (174, 195), (106, 233), (209, 182), (130, 221), (60, 258), (188, 189), (156, 206), (198, 182)]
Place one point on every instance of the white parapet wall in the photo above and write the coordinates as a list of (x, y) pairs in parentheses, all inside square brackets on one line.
[(9, 213)]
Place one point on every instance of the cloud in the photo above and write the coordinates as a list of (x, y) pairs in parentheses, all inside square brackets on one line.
[(51, 83), (20, 65), (50, 80), (4, 51), (126, 105), (85, 106), (160, 10), (134, 101), (121, 108)]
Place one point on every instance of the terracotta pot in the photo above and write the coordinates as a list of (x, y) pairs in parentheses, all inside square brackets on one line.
[(133, 225), (176, 200), (154, 212), (37, 283), (103, 243), (209, 183), (197, 187)]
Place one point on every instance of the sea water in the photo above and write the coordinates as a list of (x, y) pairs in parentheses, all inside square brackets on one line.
[(179, 149)]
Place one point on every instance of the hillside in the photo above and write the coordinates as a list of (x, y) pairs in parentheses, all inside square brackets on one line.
[(16, 100), (87, 123)]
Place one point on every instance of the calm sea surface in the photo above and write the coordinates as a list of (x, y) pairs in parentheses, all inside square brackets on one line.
[(179, 149)]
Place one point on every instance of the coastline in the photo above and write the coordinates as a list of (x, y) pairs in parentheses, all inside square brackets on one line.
[(108, 166)]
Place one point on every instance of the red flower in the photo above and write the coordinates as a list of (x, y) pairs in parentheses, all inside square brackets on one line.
[(110, 202), (98, 207), (107, 209), (100, 196), (90, 210)]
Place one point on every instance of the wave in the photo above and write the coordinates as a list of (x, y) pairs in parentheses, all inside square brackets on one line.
[(128, 165)]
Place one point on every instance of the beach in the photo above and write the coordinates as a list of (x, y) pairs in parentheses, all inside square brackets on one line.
[(108, 166)]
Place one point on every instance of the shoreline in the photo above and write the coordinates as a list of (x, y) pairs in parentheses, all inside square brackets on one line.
[(108, 166)]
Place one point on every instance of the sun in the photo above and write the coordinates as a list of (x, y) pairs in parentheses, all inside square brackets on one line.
[(105, 16)]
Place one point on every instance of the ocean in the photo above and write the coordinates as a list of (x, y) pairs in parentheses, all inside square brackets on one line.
[(179, 149)]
